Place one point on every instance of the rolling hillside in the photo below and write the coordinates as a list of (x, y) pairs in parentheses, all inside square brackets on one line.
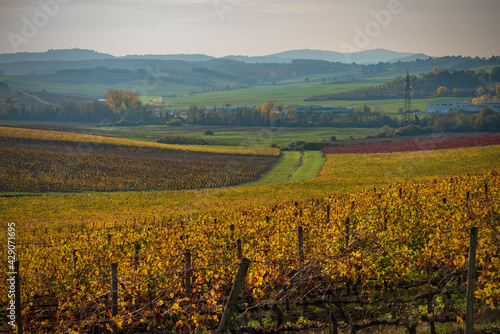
[(231, 80)]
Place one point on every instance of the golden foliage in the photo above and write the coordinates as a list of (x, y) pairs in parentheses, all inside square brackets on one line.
[(404, 231)]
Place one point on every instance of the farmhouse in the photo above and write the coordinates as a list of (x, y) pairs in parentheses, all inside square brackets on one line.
[(442, 107), (162, 113), (228, 109), (333, 111)]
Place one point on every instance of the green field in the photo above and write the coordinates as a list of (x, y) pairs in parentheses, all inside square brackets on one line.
[(254, 136), (310, 166), (282, 171), (289, 92), (293, 166), (487, 68), (91, 89), (290, 96)]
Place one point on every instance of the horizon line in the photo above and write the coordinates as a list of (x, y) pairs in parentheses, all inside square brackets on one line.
[(229, 55)]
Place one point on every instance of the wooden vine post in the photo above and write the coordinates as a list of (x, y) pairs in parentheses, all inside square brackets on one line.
[(332, 321), (471, 277), (231, 306), (114, 289), (17, 296), (301, 244), (239, 251), (188, 273)]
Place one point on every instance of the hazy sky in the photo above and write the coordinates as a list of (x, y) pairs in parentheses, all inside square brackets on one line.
[(251, 27)]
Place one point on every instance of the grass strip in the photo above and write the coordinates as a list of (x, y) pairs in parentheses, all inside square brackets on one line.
[(312, 161), (281, 171)]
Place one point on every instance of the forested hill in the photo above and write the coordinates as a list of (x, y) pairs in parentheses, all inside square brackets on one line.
[(458, 83)]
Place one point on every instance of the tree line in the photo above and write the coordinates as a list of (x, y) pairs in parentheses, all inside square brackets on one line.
[(439, 82), (125, 108), (120, 106)]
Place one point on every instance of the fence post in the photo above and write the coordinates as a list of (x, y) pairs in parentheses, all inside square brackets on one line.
[(327, 213), (17, 296), (239, 252), (347, 231), (332, 321), (471, 277), (231, 228), (188, 273), (395, 296), (430, 310), (301, 244), (75, 258), (231, 305), (114, 289), (136, 256)]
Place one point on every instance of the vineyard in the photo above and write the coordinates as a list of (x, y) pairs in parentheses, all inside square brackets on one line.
[(393, 256), (415, 145), (63, 211), (61, 165), (95, 137)]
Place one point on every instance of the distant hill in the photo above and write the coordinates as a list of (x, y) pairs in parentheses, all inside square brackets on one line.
[(53, 55), (362, 57), (181, 57), (414, 57), (259, 59), (384, 56)]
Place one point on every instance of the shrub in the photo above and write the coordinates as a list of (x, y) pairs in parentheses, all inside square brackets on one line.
[(311, 146), (385, 132), (174, 122), (410, 130)]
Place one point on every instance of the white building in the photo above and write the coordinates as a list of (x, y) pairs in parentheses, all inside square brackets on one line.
[(320, 109), (443, 107)]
